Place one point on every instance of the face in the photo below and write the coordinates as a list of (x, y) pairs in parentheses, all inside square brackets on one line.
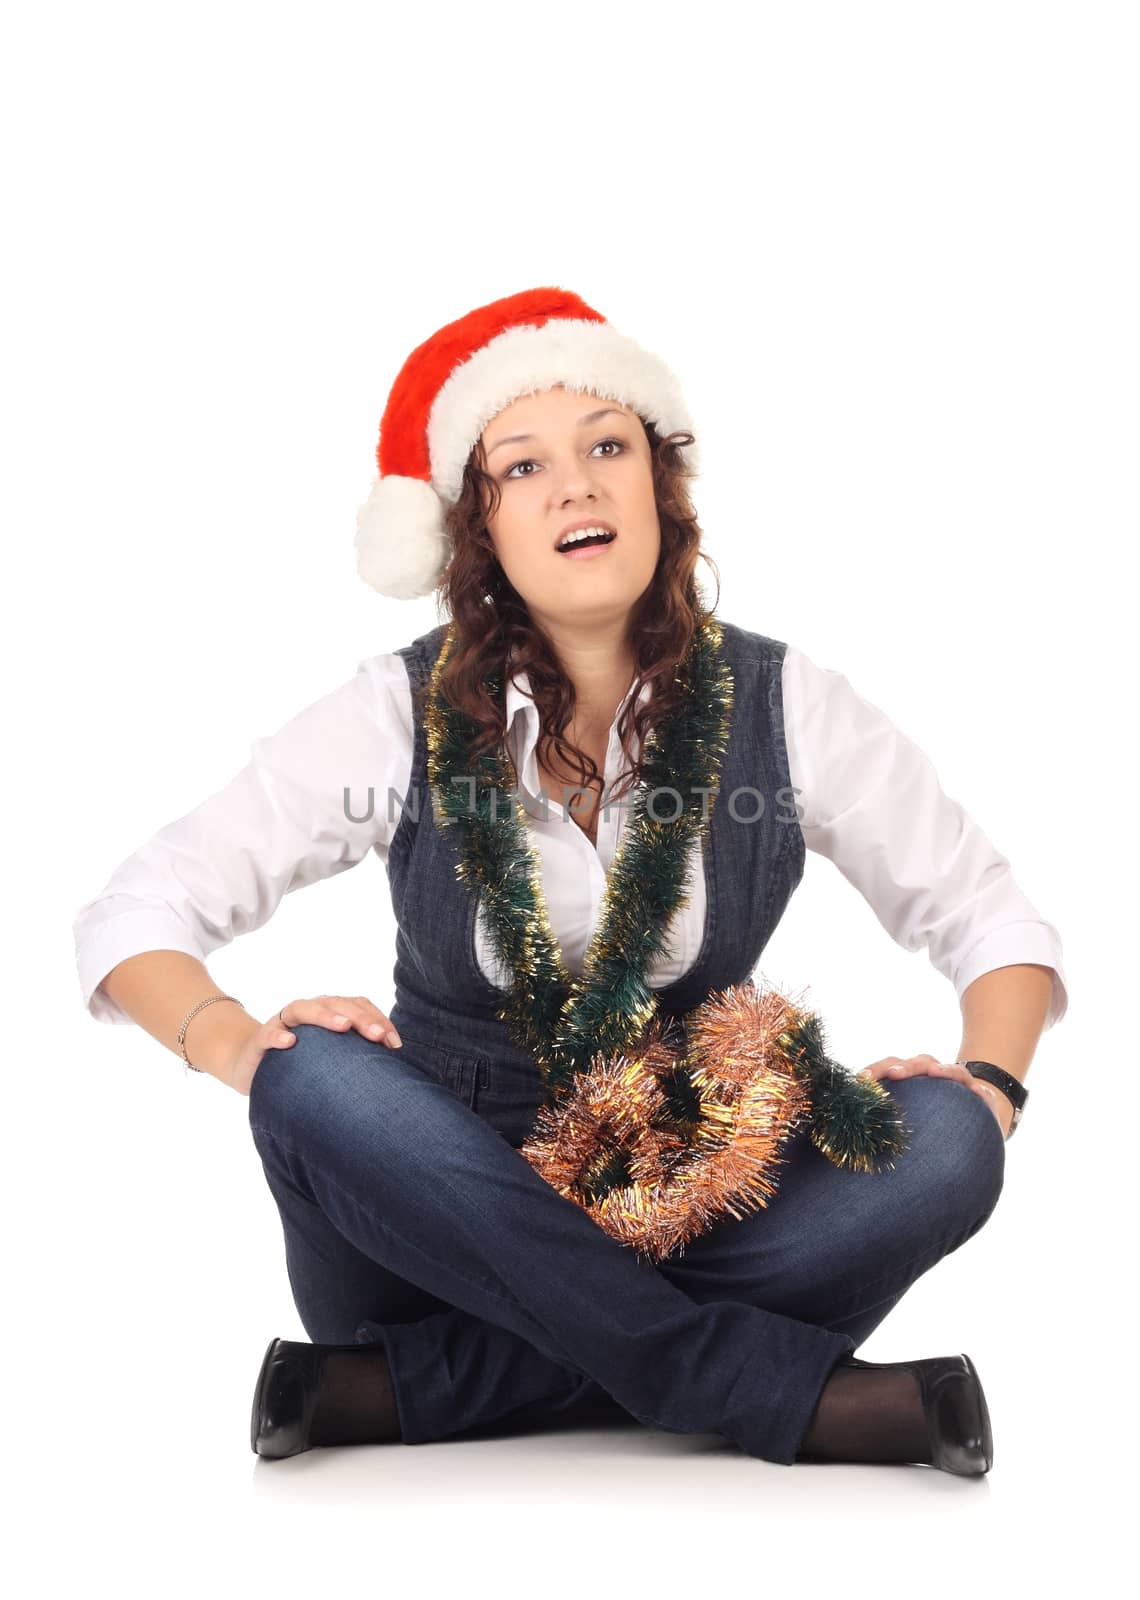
[(573, 467)]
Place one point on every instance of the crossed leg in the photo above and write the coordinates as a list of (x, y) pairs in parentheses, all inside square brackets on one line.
[(408, 1221)]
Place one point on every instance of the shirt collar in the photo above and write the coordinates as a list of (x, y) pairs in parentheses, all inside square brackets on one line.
[(520, 700), (522, 723)]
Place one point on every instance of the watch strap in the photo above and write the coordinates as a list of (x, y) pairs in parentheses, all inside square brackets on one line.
[(1013, 1089)]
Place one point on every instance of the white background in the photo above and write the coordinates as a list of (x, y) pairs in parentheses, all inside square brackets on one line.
[(891, 252)]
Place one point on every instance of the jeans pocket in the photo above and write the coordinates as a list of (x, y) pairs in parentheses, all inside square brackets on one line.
[(455, 1069), (509, 1099)]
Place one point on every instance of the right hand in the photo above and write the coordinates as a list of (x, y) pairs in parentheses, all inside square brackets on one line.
[(334, 1011)]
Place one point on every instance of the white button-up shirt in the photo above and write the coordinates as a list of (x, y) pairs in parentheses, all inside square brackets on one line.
[(870, 801)]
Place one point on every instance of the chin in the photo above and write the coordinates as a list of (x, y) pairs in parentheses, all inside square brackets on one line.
[(602, 605)]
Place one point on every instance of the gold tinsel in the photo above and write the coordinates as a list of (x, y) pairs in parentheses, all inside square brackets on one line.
[(680, 1177), (656, 1144)]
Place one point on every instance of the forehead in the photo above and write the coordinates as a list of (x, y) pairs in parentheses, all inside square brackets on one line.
[(556, 406)]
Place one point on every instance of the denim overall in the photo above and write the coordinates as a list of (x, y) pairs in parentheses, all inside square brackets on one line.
[(410, 1218)]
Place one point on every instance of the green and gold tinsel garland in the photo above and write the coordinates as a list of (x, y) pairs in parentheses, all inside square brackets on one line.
[(656, 1145)]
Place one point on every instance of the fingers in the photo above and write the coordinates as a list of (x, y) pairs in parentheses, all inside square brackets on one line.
[(369, 1020), (891, 1066), (951, 1069), (341, 1012), (894, 1067)]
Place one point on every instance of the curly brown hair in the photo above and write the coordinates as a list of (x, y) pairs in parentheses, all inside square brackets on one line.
[(491, 618)]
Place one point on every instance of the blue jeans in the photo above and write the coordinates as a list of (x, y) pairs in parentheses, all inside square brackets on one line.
[(411, 1219)]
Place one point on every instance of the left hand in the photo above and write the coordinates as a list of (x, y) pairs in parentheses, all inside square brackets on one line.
[(913, 1066)]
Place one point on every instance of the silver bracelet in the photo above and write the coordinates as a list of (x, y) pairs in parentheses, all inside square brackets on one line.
[(209, 1001)]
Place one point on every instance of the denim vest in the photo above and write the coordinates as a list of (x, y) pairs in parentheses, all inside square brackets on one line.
[(753, 859)]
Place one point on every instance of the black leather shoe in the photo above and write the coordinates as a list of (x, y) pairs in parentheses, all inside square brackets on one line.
[(957, 1417), (285, 1397)]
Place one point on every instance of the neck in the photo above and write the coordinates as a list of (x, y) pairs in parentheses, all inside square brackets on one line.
[(599, 664)]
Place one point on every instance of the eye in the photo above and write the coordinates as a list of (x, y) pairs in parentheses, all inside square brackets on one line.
[(620, 443)]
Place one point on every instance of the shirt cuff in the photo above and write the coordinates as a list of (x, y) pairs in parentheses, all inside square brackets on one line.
[(1017, 944), (126, 933)]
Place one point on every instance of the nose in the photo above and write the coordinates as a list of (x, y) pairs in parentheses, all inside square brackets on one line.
[(574, 481)]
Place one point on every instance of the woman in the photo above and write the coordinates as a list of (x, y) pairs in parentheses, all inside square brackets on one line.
[(532, 470)]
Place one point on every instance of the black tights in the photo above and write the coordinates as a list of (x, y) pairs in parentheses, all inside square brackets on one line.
[(865, 1412)]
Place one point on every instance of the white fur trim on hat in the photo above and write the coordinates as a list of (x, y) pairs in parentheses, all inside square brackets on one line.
[(401, 538), (592, 357)]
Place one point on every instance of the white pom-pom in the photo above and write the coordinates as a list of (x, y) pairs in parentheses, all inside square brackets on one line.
[(401, 538)]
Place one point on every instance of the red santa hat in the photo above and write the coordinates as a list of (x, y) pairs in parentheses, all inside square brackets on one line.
[(454, 383)]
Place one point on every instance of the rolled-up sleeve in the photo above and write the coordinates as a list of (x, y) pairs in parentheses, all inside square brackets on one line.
[(312, 801), (871, 801)]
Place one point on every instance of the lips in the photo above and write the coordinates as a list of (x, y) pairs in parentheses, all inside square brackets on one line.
[(586, 522), (590, 550)]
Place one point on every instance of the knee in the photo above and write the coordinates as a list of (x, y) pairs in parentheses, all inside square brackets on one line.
[(958, 1144), (298, 1084)]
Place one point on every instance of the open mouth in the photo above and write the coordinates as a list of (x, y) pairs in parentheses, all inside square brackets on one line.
[(584, 539)]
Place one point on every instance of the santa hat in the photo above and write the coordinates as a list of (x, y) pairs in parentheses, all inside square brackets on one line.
[(452, 385)]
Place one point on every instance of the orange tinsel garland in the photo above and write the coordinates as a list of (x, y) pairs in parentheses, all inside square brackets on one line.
[(657, 1146)]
